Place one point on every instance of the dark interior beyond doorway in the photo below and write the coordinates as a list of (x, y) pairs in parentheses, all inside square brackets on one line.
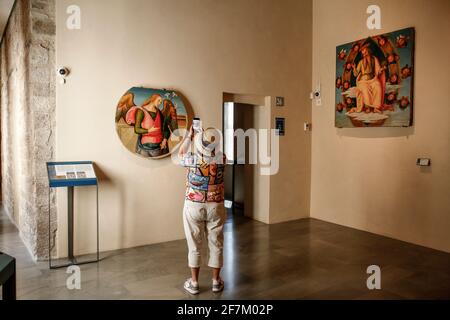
[(239, 176)]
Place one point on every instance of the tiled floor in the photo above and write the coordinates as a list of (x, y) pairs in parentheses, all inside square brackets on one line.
[(305, 259)]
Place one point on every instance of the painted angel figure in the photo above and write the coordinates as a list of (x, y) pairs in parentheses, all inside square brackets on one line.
[(151, 126), (170, 114), (342, 54)]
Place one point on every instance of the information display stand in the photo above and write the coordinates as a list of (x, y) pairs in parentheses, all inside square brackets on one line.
[(70, 175)]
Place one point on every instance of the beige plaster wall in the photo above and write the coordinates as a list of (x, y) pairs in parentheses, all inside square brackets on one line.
[(202, 48), (367, 178)]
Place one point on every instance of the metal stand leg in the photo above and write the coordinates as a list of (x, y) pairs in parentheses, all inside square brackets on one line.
[(49, 230), (70, 231), (98, 231), (70, 223)]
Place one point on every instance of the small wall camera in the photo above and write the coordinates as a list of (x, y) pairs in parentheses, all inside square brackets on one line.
[(316, 94), (63, 71)]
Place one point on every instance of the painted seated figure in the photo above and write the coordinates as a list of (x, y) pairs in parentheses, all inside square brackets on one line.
[(370, 82)]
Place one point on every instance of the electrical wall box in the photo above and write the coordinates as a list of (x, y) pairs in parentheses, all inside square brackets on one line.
[(307, 126), (423, 162)]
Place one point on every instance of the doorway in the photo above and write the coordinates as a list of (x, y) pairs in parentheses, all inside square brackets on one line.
[(246, 191), (238, 174)]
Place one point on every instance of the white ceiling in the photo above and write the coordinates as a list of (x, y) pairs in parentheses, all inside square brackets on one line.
[(5, 10)]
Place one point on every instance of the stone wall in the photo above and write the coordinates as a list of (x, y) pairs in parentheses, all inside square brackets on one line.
[(27, 103)]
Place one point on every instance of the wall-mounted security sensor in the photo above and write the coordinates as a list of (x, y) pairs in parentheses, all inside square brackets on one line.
[(316, 96), (423, 162), (307, 126), (62, 72)]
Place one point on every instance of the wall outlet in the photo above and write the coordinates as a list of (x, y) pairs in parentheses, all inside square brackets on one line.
[(423, 162)]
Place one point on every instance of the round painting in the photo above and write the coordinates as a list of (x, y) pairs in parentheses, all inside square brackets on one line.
[(147, 121)]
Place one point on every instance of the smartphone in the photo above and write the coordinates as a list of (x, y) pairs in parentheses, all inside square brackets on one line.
[(197, 125)]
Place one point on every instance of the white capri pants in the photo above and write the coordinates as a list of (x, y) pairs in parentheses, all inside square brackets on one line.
[(204, 220)]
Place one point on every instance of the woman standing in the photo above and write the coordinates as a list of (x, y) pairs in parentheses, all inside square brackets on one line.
[(204, 211)]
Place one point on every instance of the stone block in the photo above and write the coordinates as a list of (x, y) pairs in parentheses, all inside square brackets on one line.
[(39, 55), (40, 74), (42, 154), (39, 5), (42, 120), (46, 8), (43, 136), (40, 89), (43, 104), (43, 40), (44, 26)]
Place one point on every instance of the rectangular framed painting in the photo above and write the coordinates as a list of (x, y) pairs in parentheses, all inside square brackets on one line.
[(374, 81)]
